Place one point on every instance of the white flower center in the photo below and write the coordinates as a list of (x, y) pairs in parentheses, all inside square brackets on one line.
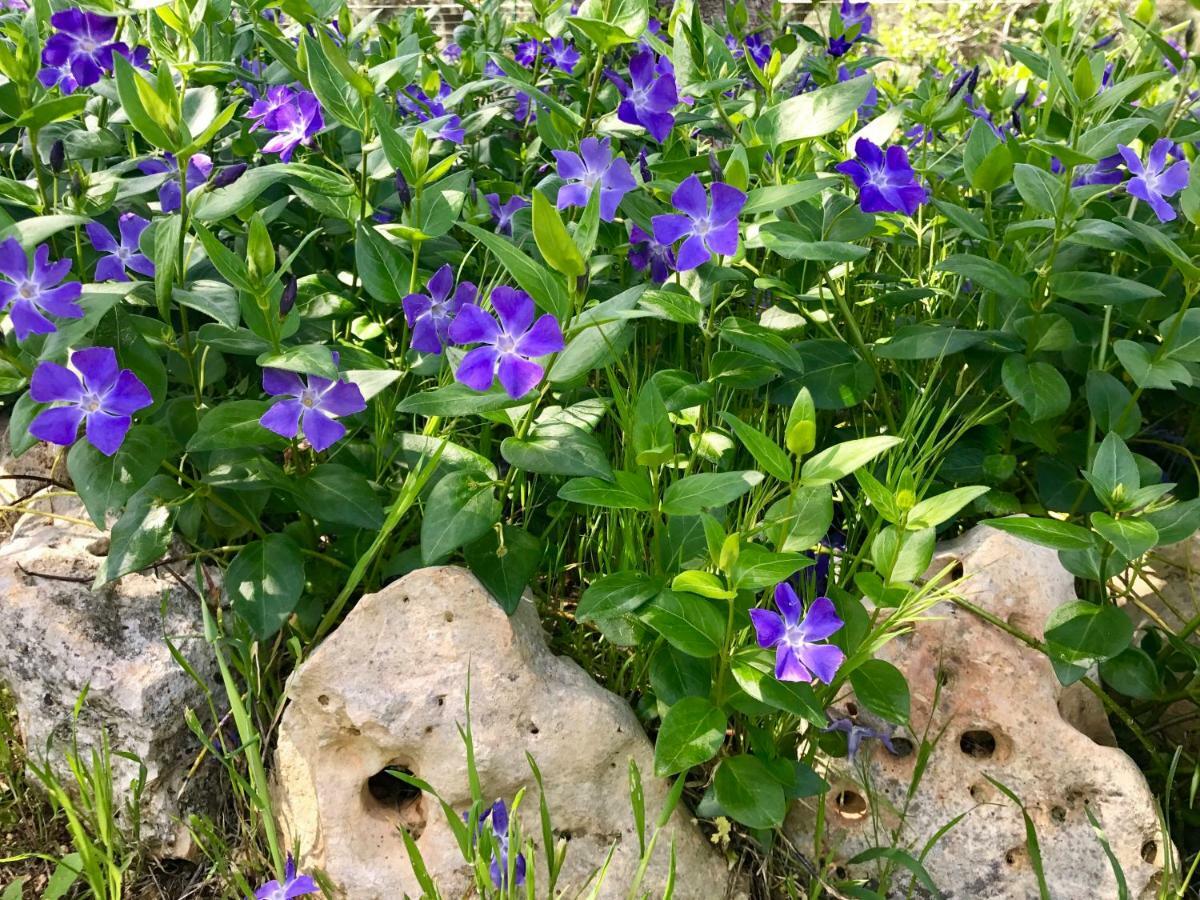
[(28, 290), (308, 398), (90, 403), (506, 343)]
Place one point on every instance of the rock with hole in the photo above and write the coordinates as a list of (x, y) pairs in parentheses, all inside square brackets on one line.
[(994, 712), (387, 690), (60, 637)]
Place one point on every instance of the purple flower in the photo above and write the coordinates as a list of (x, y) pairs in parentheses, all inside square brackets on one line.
[(79, 51), (450, 130), (709, 227), (593, 166), (293, 885), (857, 733), (429, 315), (759, 49), (885, 182), (124, 255), (562, 55), (839, 46), (312, 405), (919, 134), (1105, 41), (509, 347), (104, 398), (856, 14), (492, 69), (649, 98), (415, 101), (452, 53), (1106, 170), (198, 169), (1153, 181), (498, 814), (527, 53), (277, 97), (798, 656), (503, 212), (294, 124), (28, 296), (645, 252), (525, 112)]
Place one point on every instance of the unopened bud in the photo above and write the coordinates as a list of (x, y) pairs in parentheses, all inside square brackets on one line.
[(288, 299), (644, 167), (714, 166), (229, 175), (402, 189), (58, 157)]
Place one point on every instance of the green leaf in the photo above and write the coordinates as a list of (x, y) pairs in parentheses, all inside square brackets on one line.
[(308, 359), (757, 567), (336, 493), (706, 584), (928, 342), (553, 239), (936, 510), (505, 570), (141, 536), (691, 733), (814, 114), (627, 490), (1045, 532), (1037, 187), (104, 483), (1132, 672), (1100, 288), (1131, 537), (1181, 335), (383, 267), (755, 674), (338, 96), (146, 113), (1113, 465), (881, 688), (617, 595), (460, 509), (748, 792), (987, 161), (765, 451), (1038, 387), (456, 400), (264, 582), (838, 461), (234, 424), (800, 520), (1112, 405), (987, 274), (547, 290), (689, 623), (1085, 633), (693, 494), (563, 450), (1148, 368), (598, 337), (1176, 522)]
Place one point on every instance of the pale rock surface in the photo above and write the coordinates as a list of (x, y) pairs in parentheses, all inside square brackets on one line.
[(1166, 582), (387, 688), (60, 637), (1000, 713)]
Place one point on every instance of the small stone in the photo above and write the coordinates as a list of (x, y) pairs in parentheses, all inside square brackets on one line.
[(61, 637), (387, 689), (1000, 713)]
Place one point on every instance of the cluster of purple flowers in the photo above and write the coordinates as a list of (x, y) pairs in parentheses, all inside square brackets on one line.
[(799, 655), (293, 115), (756, 47), (856, 23), (81, 50), (557, 52), (495, 819), (310, 406), (1153, 180), (416, 102)]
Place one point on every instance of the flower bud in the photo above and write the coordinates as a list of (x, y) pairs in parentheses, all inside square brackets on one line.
[(288, 299), (714, 166), (402, 189), (229, 175), (58, 157), (644, 167)]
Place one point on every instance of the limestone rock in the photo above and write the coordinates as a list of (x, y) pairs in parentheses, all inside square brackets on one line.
[(60, 637), (41, 461), (1165, 587), (387, 689), (1000, 712)]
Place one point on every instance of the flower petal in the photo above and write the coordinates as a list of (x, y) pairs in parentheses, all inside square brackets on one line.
[(59, 425), (52, 382), (107, 432), (128, 395), (279, 382), (690, 199), (821, 620), (441, 283), (823, 660), (322, 431), (100, 237), (13, 261), (669, 228), (98, 366), (788, 602), (342, 399), (518, 376), (477, 368), (788, 667), (515, 309), (768, 627), (693, 253), (283, 418), (727, 203), (544, 337), (473, 326)]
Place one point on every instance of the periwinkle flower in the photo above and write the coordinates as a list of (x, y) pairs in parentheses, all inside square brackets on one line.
[(229, 175), (311, 407), (509, 347), (450, 130), (798, 655), (593, 166), (276, 98), (29, 295), (80, 51), (292, 886), (839, 46), (452, 53), (562, 55), (647, 253), (856, 15), (97, 394), (525, 112), (199, 167), (759, 49), (920, 134), (885, 180), (856, 733), (122, 255), (708, 227), (497, 813), (492, 69), (503, 212), (1106, 170), (527, 52), (1105, 41), (649, 97), (294, 124), (429, 315), (1154, 181), (415, 101)]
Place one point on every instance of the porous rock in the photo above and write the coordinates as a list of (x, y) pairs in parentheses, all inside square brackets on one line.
[(1002, 714), (388, 689), (61, 637)]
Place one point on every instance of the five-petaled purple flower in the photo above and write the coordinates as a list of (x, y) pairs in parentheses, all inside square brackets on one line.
[(429, 315), (527, 52), (101, 395), (885, 181), (509, 347), (276, 98), (124, 255), (798, 656), (856, 14), (292, 886), (311, 406), (497, 813), (593, 166), (647, 253), (199, 167), (503, 212), (28, 295), (649, 97), (709, 227), (294, 123), (80, 50), (1154, 181), (562, 55)]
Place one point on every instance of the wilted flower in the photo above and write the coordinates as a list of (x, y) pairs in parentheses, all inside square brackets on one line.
[(123, 255), (288, 298), (503, 212), (198, 169), (1106, 170), (311, 406), (294, 124), (509, 347), (709, 227), (229, 175), (885, 181), (101, 396), (29, 295), (276, 98), (498, 815), (856, 733), (1105, 41), (562, 55), (649, 97), (292, 886), (647, 253), (525, 111), (593, 166), (79, 51), (58, 156), (1153, 181), (429, 315), (798, 656)]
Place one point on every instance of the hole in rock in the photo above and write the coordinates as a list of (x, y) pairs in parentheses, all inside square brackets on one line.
[(943, 677), (533, 729), (397, 798), (903, 747), (1013, 856), (840, 872), (852, 709), (1149, 851), (980, 791), (448, 616), (956, 571), (323, 699), (851, 804), (1058, 814), (978, 743)]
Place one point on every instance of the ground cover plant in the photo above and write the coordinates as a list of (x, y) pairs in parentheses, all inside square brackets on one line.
[(704, 331)]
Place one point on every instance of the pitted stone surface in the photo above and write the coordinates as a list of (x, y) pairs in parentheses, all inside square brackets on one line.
[(388, 687), (1000, 713)]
